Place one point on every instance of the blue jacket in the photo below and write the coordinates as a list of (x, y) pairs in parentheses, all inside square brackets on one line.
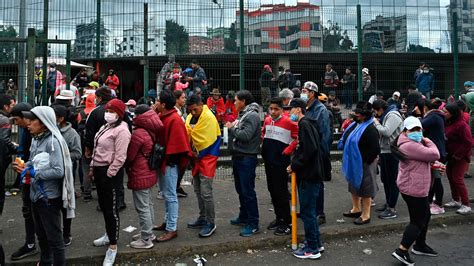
[(425, 82), (317, 111)]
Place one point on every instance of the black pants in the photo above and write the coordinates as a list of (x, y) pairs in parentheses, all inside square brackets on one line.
[(419, 210), (27, 211), (66, 223), (277, 183), (2, 256), (119, 188), (388, 174), (436, 190), (47, 217), (3, 170), (106, 192)]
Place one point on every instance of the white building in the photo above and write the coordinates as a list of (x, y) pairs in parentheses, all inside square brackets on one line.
[(132, 44)]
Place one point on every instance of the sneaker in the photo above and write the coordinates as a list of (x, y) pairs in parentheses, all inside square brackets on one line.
[(436, 209), (249, 230), (110, 257), (8, 194), (207, 230), (199, 223), (303, 244), (86, 198), (24, 252), (102, 241), (283, 230), (142, 243), (139, 235), (237, 221), (389, 213), (321, 219), (381, 208), (67, 241), (424, 251), (453, 204), (273, 225), (403, 257), (307, 253), (464, 210), (181, 193), (160, 196)]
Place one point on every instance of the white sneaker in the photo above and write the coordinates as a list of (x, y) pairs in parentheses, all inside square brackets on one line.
[(142, 244), (109, 257), (160, 196), (453, 204), (102, 241), (138, 236), (464, 210), (435, 209)]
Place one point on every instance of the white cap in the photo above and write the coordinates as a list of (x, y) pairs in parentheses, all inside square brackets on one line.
[(66, 95), (397, 93), (411, 122), (311, 86), (366, 70)]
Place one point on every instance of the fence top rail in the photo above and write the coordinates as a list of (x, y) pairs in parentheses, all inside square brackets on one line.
[(38, 40)]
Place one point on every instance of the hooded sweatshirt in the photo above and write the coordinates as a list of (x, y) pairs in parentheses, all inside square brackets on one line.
[(414, 174), (57, 180), (245, 136), (390, 128), (73, 141)]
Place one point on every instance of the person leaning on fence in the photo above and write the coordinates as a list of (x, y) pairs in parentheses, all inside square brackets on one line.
[(265, 81), (49, 171), (308, 166), (244, 144), (110, 152), (205, 135), (361, 147), (414, 180), (175, 140), (141, 178), (278, 134)]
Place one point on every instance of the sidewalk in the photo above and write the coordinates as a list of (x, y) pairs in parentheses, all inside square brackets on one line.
[(89, 224)]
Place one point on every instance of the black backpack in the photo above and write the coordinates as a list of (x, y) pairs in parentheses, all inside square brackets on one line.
[(157, 155), (395, 149)]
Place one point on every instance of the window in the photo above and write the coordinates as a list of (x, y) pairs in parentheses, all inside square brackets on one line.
[(131, 38), (124, 39), (131, 47), (265, 45), (257, 33)]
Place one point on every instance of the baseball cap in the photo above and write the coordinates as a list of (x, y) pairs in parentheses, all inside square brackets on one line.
[(411, 122), (295, 103), (397, 93), (311, 86), (131, 102), (29, 115), (18, 109)]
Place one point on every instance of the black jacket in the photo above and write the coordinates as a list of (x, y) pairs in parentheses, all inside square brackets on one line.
[(94, 122), (7, 148), (307, 161)]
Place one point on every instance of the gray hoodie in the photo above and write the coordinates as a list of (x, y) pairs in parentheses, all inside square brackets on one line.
[(246, 135), (73, 141), (389, 130)]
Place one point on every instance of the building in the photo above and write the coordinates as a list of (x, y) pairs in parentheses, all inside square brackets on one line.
[(218, 32), (132, 44), (205, 45), (85, 43), (387, 35), (465, 11), (283, 29)]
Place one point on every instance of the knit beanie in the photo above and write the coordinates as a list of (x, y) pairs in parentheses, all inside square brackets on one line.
[(117, 106)]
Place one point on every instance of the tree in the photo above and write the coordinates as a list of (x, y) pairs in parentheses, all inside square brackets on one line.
[(230, 44), (412, 48), (335, 39), (176, 38), (7, 49)]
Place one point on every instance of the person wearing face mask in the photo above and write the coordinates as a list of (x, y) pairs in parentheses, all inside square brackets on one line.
[(361, 147), (307, 163), (458, 146), (54, 79), (110, 152), (319, 114), (414, 180), (425, 82), (278, 134)]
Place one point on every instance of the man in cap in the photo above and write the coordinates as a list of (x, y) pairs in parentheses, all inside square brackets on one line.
[(395, 100), (216, 105), (366, 83), (112, 81), (308, 165), (317, 112), (75, 92), (199, 79)]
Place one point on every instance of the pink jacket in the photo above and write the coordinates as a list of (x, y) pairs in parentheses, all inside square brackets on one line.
[(110, 147), (181, 86), (414, 174)]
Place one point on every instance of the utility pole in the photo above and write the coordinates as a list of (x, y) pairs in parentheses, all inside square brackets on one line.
[(97, 35), (145, 51), (44, 93), (31, 67), (22, 53), (241, 51), (359, 53)]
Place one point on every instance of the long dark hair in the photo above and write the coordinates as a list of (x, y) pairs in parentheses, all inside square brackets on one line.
[(455, 112)]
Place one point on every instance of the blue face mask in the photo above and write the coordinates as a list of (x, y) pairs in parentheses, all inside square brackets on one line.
[(293, 117), (416, 136)]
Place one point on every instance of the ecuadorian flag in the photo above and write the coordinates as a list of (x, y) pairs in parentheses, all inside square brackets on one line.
[(206, 138)]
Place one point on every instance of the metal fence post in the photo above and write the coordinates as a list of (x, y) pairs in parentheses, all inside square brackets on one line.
[(30, 94), (97, 32), (44, 93), (145, 51), (359, 53), (68, 65), (241, 51), (455, 40)]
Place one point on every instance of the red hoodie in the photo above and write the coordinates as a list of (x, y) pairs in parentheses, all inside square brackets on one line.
[(175, 139), (217, 107), (459, 140)]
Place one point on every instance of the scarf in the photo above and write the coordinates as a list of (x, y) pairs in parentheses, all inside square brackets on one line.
[(48, 118), (352, 165)]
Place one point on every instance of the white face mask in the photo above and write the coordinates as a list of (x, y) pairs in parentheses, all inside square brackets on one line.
[(52, 69), (426, 71), (110, 117), (304, 97)]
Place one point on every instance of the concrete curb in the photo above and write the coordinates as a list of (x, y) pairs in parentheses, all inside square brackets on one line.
[(264, 240)]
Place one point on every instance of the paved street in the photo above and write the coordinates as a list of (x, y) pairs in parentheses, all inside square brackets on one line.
[(453, 243)]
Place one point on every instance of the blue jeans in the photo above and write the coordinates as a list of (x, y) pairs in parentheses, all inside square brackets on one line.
[(168, 187), (244, 178), (320, 201), (308, 193)]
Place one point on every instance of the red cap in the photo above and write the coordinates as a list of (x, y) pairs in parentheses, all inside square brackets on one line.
[(117, 106)]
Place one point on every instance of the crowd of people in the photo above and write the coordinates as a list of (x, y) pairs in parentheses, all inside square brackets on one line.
[(413, 142)]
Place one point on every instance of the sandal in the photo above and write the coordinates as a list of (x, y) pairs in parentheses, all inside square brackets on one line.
[(352, 214), (359, 221)]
